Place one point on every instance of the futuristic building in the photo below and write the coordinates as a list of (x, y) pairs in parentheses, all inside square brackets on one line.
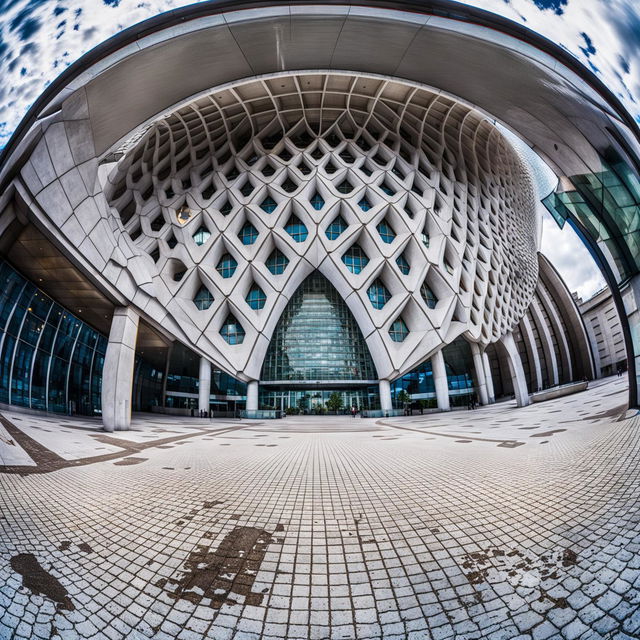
[(303, 216)]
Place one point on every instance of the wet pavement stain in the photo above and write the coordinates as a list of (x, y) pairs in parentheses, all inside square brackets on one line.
[(85, 547), (520, 566), (64, 545), (228, 571), (209, 504), (39, 581), (128, 461), (546, 434)]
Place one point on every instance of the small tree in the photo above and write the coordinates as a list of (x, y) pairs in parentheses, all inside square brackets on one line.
[(404, 398), (334, 402)]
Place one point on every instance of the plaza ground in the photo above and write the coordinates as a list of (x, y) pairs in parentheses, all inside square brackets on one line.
[(494, 523)]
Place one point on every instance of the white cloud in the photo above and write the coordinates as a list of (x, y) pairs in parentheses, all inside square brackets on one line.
[(571, 258)]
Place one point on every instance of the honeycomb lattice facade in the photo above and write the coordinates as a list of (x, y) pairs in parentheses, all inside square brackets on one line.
[(413, 205)]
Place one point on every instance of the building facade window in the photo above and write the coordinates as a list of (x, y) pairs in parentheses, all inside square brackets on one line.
[(49, 359), (277, 262), (227, 266), (256, 298), (232, 330), (355, 259)]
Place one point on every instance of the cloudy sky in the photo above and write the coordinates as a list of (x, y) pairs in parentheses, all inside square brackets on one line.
[(39, 38)]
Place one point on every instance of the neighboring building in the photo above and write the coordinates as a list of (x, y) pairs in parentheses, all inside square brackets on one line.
[(272, 229), (604, 329)]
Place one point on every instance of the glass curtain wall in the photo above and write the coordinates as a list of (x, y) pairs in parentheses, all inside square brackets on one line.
[(49, 359), (604, 208), (317, 338), (419, 384)]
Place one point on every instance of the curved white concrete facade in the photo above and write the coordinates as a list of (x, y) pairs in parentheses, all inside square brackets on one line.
[(454, 201)]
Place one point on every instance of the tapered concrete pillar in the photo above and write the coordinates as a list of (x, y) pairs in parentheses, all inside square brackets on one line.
[(479, 370), (440, 381), (385, 396), (252, 395), (516, 370), (204, 385), (488, 377), (117, 374), (547, 343), (532, 349)]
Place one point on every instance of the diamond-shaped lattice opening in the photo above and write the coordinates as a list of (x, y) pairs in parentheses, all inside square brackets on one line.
[(226, 207), (296, 229), (201, 235), (248, 234), (367, 172), (387, 234), (317, 201), (330, 167), (317, 153), (336, 228), (302, 140), (355, 258), (247, 188), (397, 171), (285, 154), (430, 298), (157, 223), (398, 330), (171, 240), (333, 139), (203, 298), (232, 330), (364, 204), (304, 168), (289, 185), (268, 204), (232, 174), (155, 253), (403, 265), (387, 188), (345, 187), (208, 192), (268, 170), (256, 298), (378, 294), (227, 265), (277, 262), (347, 157)]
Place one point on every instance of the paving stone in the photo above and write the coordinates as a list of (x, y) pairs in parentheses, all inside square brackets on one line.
[(352, 535)]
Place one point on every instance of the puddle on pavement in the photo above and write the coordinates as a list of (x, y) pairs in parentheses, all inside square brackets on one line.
[(127, 461), (228, 571), (39, 581)]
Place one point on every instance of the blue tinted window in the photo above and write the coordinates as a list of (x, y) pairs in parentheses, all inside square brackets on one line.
[(355, 258)]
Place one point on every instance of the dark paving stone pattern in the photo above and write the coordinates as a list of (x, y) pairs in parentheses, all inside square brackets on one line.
[(389, 531)]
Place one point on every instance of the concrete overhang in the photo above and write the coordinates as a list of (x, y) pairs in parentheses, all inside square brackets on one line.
[(532, 86)]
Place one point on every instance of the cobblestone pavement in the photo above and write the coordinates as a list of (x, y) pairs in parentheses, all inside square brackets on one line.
[(497, 523)]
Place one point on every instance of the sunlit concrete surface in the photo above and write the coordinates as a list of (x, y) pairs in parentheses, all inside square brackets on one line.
[(494, 523)]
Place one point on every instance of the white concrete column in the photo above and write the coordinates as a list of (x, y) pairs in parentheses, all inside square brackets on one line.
[(440, 380), (516, 370), (479, 369), (117, 374), (252, 395), (532, 349), (547, 342), (558, 329), (204, 385), (385, 396), (488, 377)]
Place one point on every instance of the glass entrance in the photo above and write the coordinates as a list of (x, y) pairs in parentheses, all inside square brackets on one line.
[(317, 350)]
